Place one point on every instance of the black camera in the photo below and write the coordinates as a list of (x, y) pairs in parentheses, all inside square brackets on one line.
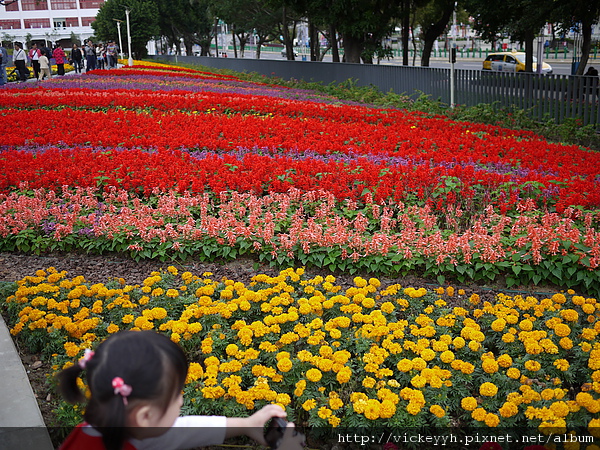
[(274, 432)]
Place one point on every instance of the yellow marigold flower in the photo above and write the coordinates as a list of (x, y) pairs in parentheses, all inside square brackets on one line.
[(427, 354), (526, 325), (112, 328), (283, 399), (324, 412), (513, 373), (368, 382), (195, 372), (71, 349), (508, 409), (309, 404), (418, 381), (334, 421), (128, 318), (498, 324), (447, 356), (570, 315), (314, 375), (532, 365), (360, 282), (468, 403), (505, 361), (562, 330), (419, 363), (489, 366), (344, 375), (474, 299), (458, 342), (492, 420), (284, 365), (559, 298), (561, 364), (508, 338), (479, 414), (488, 389), (437, 411), (566, 343)]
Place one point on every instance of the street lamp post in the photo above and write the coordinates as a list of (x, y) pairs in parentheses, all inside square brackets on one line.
[(130, 61), (120, 40)]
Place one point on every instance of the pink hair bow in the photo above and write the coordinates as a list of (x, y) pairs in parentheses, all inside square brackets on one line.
[(121, 388), (87, 355)]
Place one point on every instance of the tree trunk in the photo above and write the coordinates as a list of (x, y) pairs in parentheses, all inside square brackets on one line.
[(243, 40), (529, 38), (289, 45), (405, 30), (435, 30), (353, 48), (333, 42), (313, 39), (216, 37), (188, 47), (235, 55), (586, 44)]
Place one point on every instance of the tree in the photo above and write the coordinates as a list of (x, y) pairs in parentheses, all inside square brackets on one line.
[(250, 17), (143, 16), (178, 19), (520, 19), (581, 15), (362, 23), (433, 18)]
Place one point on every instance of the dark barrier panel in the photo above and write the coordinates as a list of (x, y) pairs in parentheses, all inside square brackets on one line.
[(556, 97)]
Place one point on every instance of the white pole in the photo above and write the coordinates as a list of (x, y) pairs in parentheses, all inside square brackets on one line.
[(452, 53), (120, 40), (130, 61)]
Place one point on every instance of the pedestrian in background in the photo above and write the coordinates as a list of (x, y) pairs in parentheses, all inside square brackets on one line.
[(3, 64), (90, 56), (100, 56), (76, 58), (59, 57), (20, 61), (44, 67), (34, 57)]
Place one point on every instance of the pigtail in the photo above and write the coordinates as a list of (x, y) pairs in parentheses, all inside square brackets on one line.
[(67, 384), (109, 420)]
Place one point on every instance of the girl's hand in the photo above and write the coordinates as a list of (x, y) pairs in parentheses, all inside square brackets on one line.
[(253, 426)]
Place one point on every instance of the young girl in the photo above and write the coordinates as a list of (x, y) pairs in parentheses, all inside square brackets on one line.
[(135, 380), (44, 67)]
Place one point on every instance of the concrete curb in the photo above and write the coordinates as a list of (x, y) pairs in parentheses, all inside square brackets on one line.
[(21, 422)]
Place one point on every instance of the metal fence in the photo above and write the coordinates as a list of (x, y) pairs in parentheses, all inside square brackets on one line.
[(544, 97)]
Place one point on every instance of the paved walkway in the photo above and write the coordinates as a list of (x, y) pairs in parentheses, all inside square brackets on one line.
[(21, 423)]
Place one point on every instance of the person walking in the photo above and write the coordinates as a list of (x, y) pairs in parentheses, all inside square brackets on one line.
[(77, 58), (111, 54), (100, 56), (59, 57), (34, 57), (44, 67), (20, 61), (3, 64), (90, 56)]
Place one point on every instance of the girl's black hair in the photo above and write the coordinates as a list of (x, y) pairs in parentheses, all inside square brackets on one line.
[(154, 366)]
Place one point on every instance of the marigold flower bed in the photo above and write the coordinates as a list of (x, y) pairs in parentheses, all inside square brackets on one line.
[(366, 357)]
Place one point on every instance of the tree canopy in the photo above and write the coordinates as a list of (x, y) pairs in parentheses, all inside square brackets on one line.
[(143, 19)]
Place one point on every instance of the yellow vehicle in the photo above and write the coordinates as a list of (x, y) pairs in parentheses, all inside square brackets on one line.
[(511, 62)]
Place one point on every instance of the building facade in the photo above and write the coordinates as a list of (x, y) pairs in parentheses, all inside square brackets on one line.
[(48, 21)]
